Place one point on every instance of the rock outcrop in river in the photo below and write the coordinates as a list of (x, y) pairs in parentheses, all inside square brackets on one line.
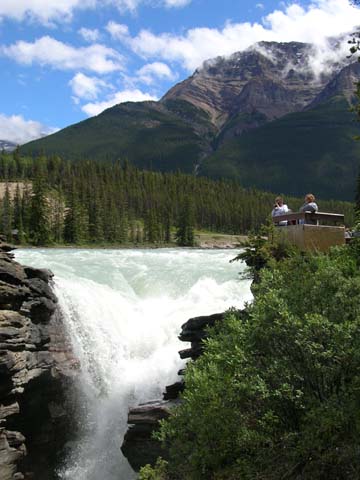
[(37, 370), (139, 447)]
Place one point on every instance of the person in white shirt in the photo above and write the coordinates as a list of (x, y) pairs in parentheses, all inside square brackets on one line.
[(280, 208)]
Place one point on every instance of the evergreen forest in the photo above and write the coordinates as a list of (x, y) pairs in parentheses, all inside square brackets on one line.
[(51, 201)]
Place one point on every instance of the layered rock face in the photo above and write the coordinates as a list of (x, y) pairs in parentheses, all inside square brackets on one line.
[(139, 447), (343, 84), (271, 79), (37, 370)]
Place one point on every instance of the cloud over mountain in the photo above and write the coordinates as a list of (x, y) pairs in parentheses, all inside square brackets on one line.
[(313, 24), (134, 95), (16, 129)]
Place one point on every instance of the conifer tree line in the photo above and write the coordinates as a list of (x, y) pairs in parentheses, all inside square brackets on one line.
[(86, 202)]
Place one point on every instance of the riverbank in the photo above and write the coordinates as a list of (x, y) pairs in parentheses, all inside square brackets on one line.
[(203, 240), (219, 240)]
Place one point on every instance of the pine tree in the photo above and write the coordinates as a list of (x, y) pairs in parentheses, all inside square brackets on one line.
[(39, 218), (357, 200), (58, 215), (7, 214), (167, 226), (185, 230), (18, 217), (26, 209), (75, 221), (123, 225), (96, 233)]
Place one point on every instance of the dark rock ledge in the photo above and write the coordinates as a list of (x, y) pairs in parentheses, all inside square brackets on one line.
[(37, 369), (139, 447)]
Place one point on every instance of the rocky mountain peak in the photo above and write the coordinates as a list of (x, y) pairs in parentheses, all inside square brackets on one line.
[(269, 78)]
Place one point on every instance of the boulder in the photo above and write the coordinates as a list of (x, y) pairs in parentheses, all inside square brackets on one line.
[(39, 309), (6, 247), (172, 391), (42, 273), (12, 450), (11, 272), (139, 446), (194, 329), (12, 296), (40, 288)]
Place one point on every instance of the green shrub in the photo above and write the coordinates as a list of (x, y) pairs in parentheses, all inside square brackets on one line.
[(158, 472), (263, 249)]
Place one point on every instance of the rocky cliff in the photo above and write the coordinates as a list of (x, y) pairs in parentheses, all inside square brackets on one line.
[(37, 372)]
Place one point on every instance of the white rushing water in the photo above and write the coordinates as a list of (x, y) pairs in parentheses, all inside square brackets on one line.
[(123, 310)]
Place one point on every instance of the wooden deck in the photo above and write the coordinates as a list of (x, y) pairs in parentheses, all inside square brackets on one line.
[(312, 231)]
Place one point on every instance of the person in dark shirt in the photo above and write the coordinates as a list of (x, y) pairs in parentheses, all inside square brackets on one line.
[(309, 206)]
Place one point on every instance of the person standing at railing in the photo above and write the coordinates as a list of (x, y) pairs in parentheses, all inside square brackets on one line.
[(310, 206), (280, 208)]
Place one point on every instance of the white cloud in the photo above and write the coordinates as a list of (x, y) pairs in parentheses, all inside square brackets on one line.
[(132, 5), (261, 6), (314, 24), (49, 11), (176, 3), (119, 97), (43, 11), (126, 5), (18, 130), (118, 31), (150, 72), (87, 87), (58, 55), (89, 35)]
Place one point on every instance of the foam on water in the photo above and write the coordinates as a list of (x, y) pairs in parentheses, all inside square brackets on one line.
[(123, 310)]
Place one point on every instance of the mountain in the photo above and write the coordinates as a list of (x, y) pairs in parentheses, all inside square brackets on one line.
[(7, 146), (266, 117), (273, 78)]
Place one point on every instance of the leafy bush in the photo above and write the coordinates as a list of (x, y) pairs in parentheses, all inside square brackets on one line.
[(158, 472), (263, 249), (276, 394)]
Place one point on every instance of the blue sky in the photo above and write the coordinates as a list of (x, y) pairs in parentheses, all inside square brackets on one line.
[(65, 60)]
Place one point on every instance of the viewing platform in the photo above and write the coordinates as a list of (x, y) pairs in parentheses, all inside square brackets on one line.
[(311, 231)]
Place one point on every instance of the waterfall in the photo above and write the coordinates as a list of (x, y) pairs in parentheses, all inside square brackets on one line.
[(123, 310)]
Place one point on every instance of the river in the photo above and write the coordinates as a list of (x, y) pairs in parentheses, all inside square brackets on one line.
[(123, 310)]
